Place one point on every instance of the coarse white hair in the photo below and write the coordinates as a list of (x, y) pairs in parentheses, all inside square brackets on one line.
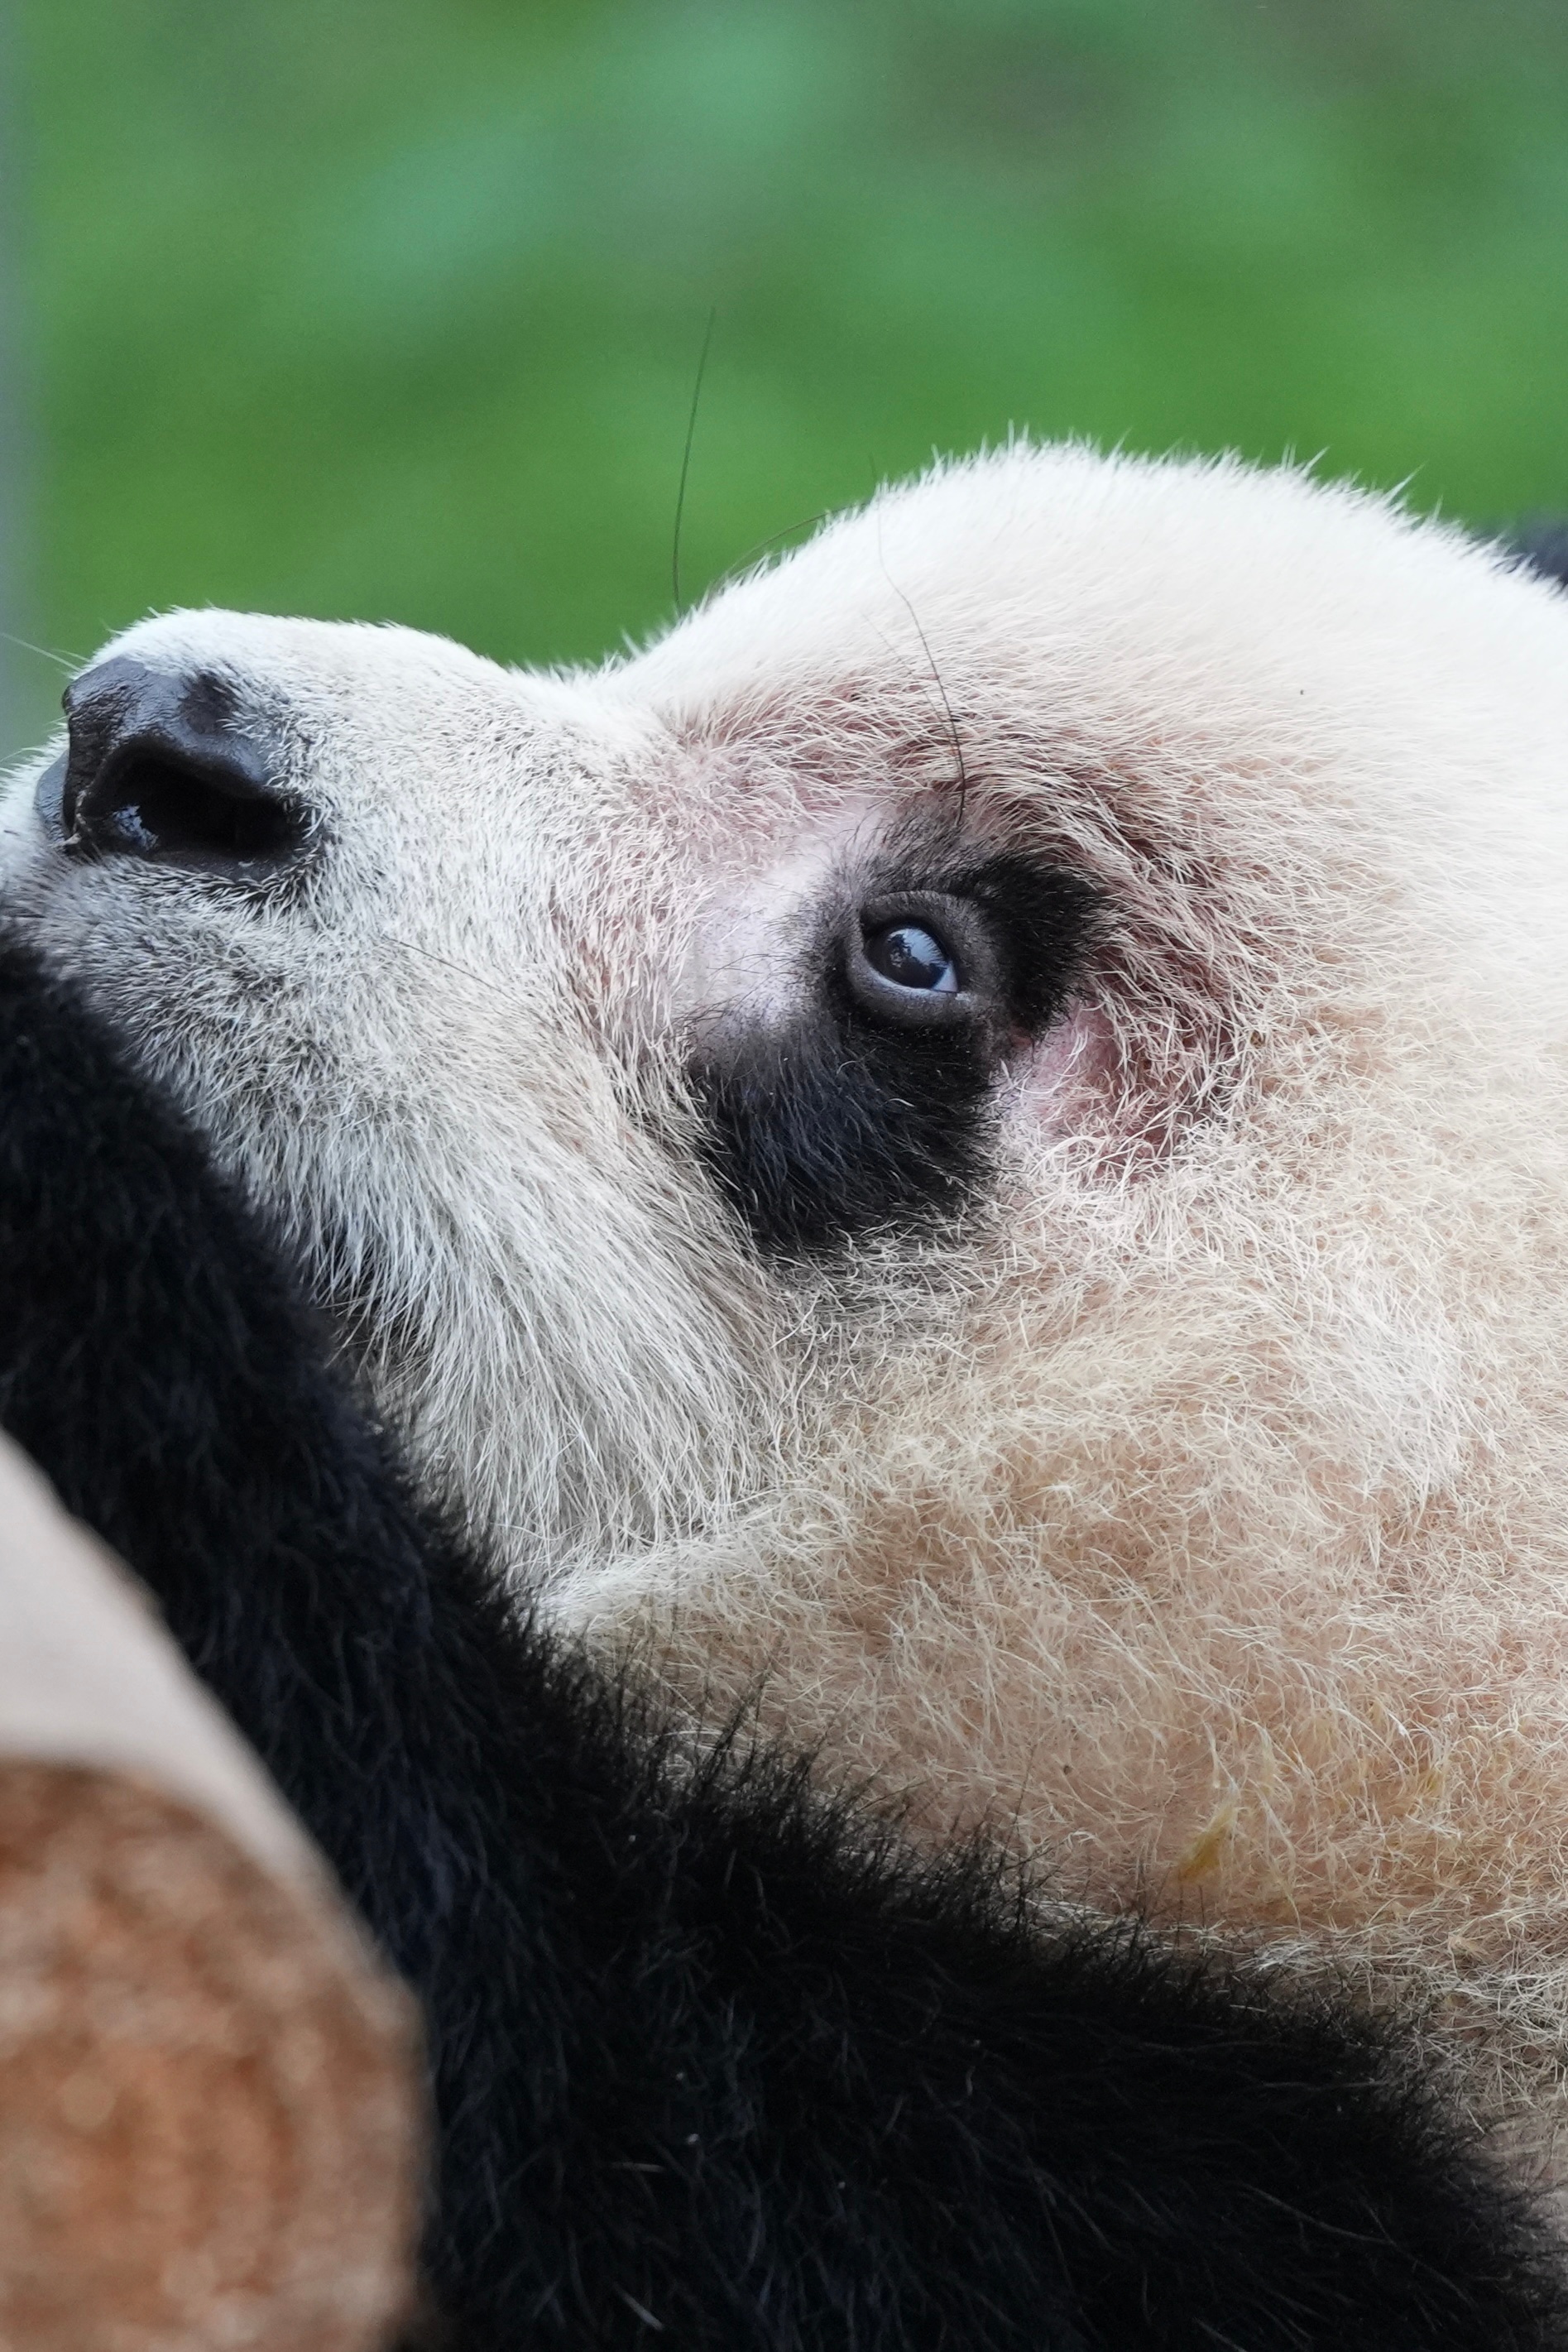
[(1174, 1467)]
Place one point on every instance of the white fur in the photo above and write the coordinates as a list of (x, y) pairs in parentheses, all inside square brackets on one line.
[(1201, 1505)]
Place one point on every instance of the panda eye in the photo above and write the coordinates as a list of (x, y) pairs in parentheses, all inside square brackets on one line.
[(926, 960), (910, 956)]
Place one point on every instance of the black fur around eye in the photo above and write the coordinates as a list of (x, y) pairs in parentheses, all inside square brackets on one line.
[(872, 1109)]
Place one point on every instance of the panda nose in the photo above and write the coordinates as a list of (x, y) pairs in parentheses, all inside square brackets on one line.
[(163, 766)]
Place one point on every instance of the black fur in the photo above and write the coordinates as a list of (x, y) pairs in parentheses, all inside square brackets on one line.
[(1543, 542), (717, 2065), (837, 1125), (832, 1129)]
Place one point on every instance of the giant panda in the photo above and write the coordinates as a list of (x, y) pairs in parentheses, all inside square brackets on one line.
[(971, 1145), (714, 2059)]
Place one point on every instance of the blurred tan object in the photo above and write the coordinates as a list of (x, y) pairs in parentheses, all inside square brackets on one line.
[(209, 2102)]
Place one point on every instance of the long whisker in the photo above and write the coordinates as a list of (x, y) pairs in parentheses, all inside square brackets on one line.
[(488, 984), (45, 653), (953, 736), (732, 571), (686, 463)]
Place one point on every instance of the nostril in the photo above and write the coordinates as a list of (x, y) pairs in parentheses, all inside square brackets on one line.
[(175, 767), (155, 801)]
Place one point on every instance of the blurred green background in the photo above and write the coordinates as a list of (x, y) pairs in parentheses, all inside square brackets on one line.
[(393, 308)]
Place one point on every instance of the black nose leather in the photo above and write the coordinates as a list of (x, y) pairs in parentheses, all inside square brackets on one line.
[(163, 765)]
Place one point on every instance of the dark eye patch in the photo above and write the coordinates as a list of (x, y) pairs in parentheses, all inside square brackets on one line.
[(872, 1108), (818, 1134), (1043, 919)]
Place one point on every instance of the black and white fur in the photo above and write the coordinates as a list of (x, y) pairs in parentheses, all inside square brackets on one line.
[(1114, 1385), (718, 2063)]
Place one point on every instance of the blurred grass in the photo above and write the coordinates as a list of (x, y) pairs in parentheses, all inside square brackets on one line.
[(393, 308)]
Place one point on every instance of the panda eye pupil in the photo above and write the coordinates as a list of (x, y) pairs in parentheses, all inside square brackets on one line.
[(911, 957)]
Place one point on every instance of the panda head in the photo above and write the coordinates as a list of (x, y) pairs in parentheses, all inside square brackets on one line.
[(980, 1126)]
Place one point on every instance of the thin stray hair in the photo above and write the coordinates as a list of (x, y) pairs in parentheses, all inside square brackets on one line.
[(686, 463)]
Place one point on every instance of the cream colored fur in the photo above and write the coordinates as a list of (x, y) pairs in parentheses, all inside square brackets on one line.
[(1202, 1508)]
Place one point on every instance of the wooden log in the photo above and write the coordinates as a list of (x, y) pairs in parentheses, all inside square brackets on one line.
[(210, 2090)]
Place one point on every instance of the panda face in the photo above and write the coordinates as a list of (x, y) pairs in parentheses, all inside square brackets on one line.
[(979, 1129)]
